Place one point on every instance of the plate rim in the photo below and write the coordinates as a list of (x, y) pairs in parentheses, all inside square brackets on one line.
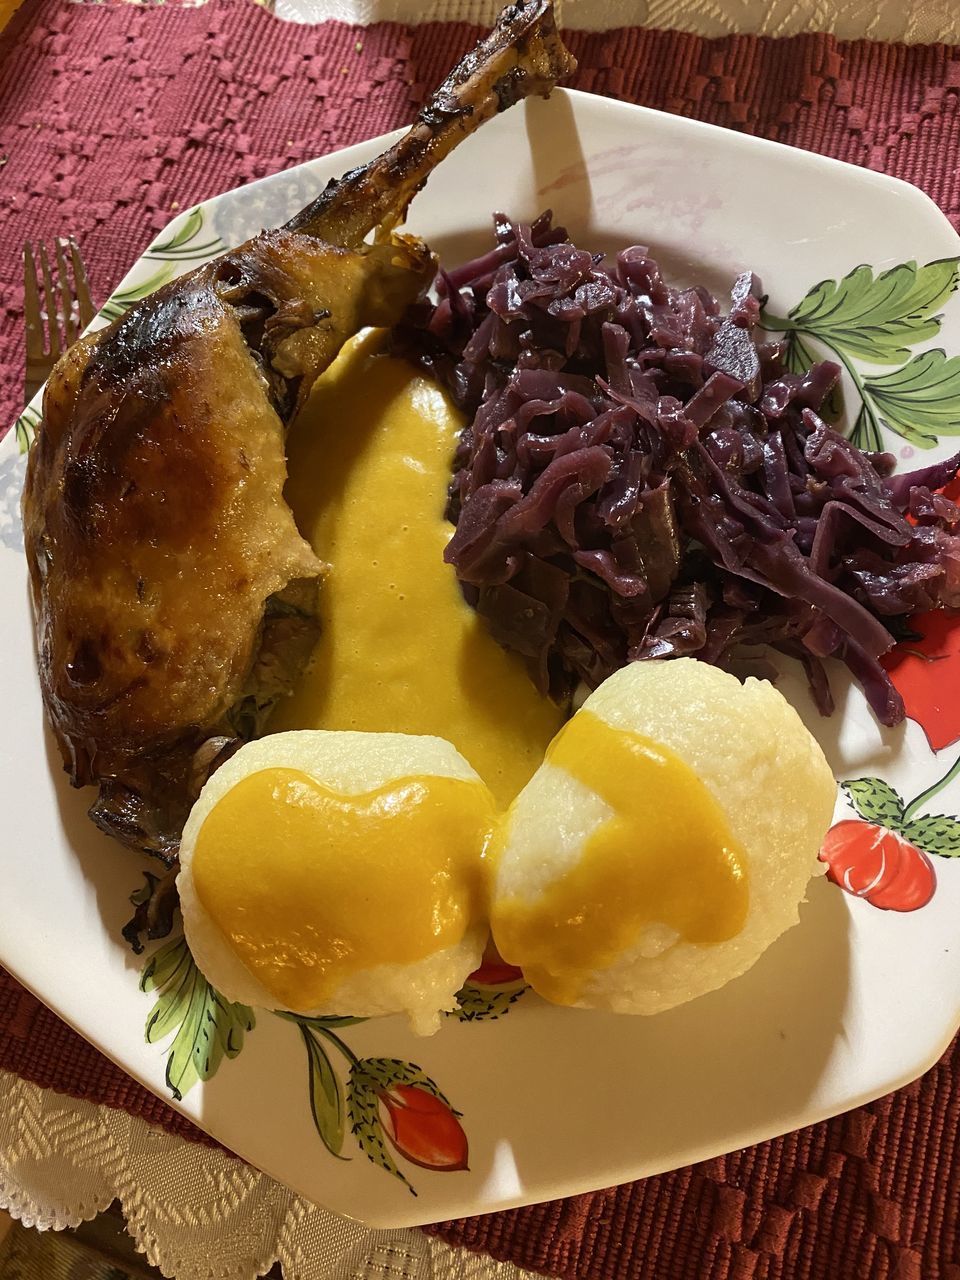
[(568, 1185)]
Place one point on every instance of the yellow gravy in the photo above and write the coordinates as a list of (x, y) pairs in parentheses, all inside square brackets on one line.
[(400, 650), (666, 855), (311, 923)]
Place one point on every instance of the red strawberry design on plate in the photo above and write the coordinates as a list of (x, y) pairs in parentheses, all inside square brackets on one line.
[(885, 858), (423, 1127), (873, 863)]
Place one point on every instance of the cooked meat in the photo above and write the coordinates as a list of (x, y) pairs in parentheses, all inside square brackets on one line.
[(174, 596)]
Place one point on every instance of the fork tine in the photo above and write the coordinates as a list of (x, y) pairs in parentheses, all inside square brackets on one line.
[(82, 284), (53, 329), (70, 330), (57, 304), (31, 306)]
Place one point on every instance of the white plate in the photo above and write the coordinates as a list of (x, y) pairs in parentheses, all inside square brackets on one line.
[(849, 1005)]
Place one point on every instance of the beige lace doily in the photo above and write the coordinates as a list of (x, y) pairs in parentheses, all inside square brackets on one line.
[(195, 1212), (914, 21)]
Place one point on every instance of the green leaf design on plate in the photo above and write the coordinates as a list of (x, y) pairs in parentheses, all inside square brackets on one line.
[(383, 1072), (205, 1027), (866, 431), (878, 317), (184, 242), (191, 227), (120, 302), (797, 356), (477, 1003), (363, 1090), (25, 428), (875, 801), (921, 401), (165, 963), (326, 1095), (935, 833)]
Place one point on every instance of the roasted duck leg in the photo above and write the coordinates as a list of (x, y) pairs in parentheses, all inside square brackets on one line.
[(174, 597)]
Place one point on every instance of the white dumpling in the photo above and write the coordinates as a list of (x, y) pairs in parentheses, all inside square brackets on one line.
[(351, 764), (749, 748)]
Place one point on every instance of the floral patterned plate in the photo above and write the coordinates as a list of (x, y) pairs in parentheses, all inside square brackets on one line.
[(514, 1101)]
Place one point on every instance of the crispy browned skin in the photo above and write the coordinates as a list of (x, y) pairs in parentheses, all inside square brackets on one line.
[(174, 597)]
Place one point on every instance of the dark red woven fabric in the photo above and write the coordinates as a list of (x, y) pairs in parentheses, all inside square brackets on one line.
[(112, 118), (36, 1045)]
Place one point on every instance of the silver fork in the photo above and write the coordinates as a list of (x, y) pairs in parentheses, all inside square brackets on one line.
[(57, 307)]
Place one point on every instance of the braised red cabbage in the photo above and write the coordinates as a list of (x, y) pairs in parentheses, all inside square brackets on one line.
[(641, 477)]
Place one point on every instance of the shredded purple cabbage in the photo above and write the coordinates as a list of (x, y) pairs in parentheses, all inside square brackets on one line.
[(643, 478)]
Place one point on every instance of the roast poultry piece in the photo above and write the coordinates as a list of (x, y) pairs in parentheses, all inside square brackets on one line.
[(175, 599)]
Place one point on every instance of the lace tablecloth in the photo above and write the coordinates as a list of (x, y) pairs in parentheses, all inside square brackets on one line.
[(196, 1212), (873, 1193), (915, 21)]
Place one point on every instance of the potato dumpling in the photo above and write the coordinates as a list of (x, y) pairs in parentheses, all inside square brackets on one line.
[(339, 873), (666, 841)]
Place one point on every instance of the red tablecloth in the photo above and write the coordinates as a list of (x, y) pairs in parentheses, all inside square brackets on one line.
[(111, 118)]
